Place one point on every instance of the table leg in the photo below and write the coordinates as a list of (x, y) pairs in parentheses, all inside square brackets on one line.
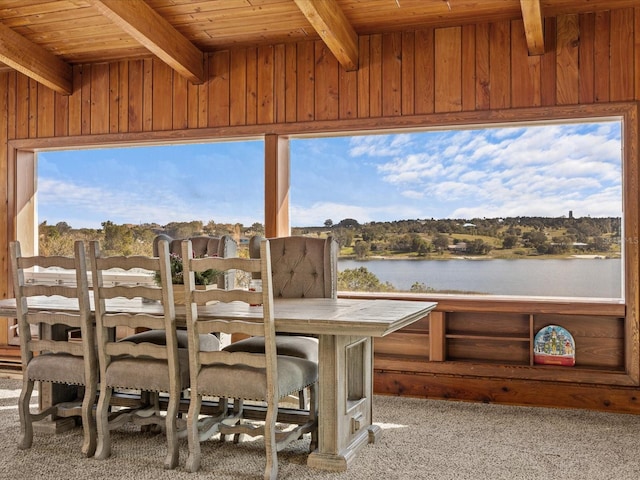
[(345, 401)]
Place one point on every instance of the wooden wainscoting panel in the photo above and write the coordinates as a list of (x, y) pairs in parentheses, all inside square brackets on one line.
[(508, 391), (487, 349), (410, 344)]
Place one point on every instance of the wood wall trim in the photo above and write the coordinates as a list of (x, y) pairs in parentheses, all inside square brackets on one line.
[(475, 119)]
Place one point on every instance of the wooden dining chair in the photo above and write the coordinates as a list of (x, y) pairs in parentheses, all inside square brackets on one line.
[(302, 267), (243, 376), (135, 363), (60, 359)]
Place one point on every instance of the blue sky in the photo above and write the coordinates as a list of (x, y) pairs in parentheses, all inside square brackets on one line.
[(497, 172)]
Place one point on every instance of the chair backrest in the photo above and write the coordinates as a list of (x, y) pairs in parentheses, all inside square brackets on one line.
[(203, 246), (302, 267), (253, 327), (59, 325), (107, 320)]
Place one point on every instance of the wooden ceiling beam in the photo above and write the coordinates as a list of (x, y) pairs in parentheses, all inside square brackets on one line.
[(35, 62), (532, 16), (330, 23), (152, 31)]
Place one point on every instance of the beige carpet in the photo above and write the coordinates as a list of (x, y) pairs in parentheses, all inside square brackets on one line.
[(422, 439)]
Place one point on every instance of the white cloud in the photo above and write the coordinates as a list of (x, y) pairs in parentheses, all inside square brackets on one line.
[(512, 171)]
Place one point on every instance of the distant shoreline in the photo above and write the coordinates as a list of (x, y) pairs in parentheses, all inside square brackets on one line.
[(481, 257)]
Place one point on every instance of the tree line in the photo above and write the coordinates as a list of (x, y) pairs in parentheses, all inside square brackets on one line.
[(480, 236), (419, 237)]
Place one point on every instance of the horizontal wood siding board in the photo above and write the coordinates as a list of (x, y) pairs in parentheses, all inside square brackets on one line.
[(411, 344), (510, 391), (582, 325), (600, 352), (488, 350), (487, 324)]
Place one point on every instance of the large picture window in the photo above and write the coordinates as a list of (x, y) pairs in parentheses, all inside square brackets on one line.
[(516, 209), (532, 210), (183, 189)]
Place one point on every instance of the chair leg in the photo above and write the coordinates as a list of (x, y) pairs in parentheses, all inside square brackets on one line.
[(302, 401), (26, 424), (103, 448), (313, 415), (238, 411), (173, 454), (88, 420), (271, 450), (193, 437)]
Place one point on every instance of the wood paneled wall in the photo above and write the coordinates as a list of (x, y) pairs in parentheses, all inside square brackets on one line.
[(483, 68), (590, 59)]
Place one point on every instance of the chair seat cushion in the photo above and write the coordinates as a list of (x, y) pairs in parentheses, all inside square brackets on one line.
[(293, 346), (208, 342), (57, 367), (146, 373), (241, 381)]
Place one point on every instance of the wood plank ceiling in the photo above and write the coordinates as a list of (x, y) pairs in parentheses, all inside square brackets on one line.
[(43, 39)]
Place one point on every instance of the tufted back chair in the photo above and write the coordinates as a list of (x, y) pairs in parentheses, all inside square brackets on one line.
[(302, 267), (204, 245)]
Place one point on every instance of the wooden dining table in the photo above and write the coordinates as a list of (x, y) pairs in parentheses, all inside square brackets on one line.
[(345, 329)]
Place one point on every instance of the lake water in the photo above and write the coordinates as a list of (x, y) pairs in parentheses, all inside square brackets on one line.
[(574, 277)]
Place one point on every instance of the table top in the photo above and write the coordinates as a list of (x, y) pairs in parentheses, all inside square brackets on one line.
[(318, 316)]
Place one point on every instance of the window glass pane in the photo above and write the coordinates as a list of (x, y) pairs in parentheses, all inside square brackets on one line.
[(517, 210), (219, 186)]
